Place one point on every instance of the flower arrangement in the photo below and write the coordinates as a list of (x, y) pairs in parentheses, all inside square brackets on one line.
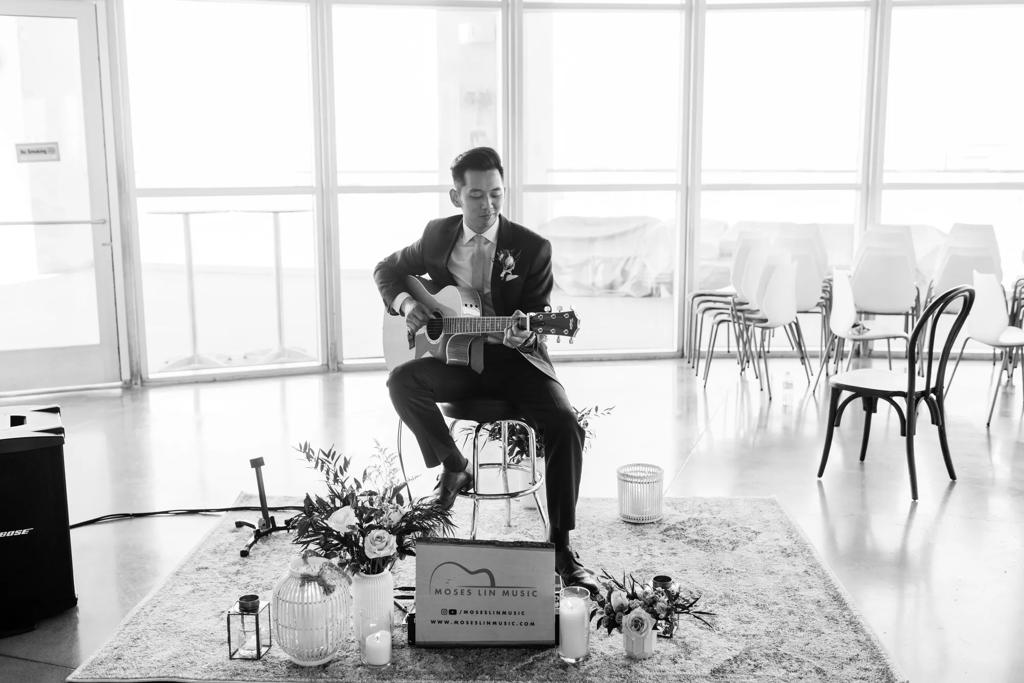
[(518, 439), (364, 524), (638, 607)]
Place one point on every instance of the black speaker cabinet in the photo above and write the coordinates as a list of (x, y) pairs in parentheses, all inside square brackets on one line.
[(36, 577)]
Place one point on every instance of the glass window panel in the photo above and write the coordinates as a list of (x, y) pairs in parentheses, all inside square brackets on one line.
[(41, 92), (954, 105), (372, 227), (613, 257), (933, 213), (724, 213), (220, 93), (414, 86), (253, 280), (769, 3), (47, 268), (676, 3), (784, 95), (599, 115)]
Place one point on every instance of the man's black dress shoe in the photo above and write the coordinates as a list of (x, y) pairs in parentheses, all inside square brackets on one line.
[(448, 486), (573, 573)]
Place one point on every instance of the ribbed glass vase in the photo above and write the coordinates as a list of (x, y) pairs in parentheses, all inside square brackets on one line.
[(372, 600), (310, 623)]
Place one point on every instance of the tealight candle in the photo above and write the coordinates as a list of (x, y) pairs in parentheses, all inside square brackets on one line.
[(573, 624)]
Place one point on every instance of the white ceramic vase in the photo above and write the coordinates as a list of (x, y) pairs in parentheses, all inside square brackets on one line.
[(310, 623), (638, 647), (372, 600), (638, 634)]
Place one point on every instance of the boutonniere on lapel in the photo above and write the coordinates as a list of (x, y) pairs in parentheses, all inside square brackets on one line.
[(506, 260)]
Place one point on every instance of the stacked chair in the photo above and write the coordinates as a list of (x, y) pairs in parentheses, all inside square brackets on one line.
[(715, 303), (777, 273), (968, 249), (990, 324)]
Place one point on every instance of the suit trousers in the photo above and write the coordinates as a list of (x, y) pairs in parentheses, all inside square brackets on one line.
[(416, 387)]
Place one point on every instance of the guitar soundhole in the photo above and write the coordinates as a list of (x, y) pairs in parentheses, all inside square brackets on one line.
[(435, 327)]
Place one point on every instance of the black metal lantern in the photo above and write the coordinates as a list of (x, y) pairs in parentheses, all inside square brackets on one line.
[(248, 628)]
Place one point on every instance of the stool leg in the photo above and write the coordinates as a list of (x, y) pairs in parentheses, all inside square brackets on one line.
[(504, 473), (532, 440), (401, 461), (476, 482)]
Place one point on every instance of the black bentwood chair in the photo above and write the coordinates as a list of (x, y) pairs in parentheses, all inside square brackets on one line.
[(871, 384)]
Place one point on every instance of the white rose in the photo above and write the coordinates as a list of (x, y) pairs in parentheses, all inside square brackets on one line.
[(619, 601), (638, 622), (395, 516), (379, 543), (341, 519)]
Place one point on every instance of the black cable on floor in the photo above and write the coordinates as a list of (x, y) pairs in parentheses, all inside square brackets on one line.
[(192, 511)]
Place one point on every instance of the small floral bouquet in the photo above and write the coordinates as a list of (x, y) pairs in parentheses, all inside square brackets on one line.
[(363, 524), (639, 607)]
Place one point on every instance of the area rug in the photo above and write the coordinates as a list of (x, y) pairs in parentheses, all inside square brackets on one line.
[(780, 615)]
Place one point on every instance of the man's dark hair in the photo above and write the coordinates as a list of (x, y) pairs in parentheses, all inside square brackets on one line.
[(476, 159)]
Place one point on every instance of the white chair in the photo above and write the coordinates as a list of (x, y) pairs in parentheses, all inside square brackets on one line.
[(811, 272), (837, 239), (778, 309), (843, 326), (976, 235), (718, 302), (958, 264), (988, 324)]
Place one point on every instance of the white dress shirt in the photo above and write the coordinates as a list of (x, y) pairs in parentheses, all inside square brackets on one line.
[(460, 264)]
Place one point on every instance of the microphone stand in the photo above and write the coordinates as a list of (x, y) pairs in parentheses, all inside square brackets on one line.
[(266, 524)]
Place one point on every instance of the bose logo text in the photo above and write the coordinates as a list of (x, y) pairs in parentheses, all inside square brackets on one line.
[(16, 532)]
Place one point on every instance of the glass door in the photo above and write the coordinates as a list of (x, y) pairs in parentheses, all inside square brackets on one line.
[(57, 318)]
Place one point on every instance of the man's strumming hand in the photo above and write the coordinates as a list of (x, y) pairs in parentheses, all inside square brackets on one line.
[(416, 315)]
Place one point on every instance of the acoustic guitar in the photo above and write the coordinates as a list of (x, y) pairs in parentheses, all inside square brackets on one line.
[(457, 321)]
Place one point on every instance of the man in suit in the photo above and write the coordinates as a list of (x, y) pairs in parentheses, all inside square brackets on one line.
[(510, 267)]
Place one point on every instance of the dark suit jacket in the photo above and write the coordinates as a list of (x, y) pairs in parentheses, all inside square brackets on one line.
[(529, 292)]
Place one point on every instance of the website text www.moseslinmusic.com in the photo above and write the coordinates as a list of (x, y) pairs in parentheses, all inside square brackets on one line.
[(474, 622)]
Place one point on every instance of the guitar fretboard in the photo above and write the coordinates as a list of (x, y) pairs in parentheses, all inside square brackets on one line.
[(476, 325)]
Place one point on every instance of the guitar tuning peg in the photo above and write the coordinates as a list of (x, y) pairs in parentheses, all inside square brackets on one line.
[(558, 340), (547, 309), (571, 340)]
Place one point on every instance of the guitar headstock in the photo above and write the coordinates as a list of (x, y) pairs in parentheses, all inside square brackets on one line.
[(556, 323)]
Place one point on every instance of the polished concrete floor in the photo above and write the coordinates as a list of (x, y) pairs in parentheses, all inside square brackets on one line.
[(940, 581)]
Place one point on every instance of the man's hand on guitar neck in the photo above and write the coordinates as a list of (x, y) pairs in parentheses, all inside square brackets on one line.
[(518, 334), (416, 315)]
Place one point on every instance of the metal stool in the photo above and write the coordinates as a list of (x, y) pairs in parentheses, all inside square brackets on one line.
[(486, 412)]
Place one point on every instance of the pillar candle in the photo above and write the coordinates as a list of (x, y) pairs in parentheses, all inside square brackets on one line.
[(377, 649), (573, 628)]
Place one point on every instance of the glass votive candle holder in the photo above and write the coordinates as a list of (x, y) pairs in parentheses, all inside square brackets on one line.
[(374, 641), (668, 626), (248, 628), (573, 624), (640, 493)]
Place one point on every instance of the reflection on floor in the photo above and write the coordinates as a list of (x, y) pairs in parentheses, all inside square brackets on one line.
[(939, 580)]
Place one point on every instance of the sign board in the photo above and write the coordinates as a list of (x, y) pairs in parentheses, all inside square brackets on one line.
[(487, 593), (38, 151)]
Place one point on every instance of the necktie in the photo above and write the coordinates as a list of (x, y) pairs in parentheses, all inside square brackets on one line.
[(479, 263)]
